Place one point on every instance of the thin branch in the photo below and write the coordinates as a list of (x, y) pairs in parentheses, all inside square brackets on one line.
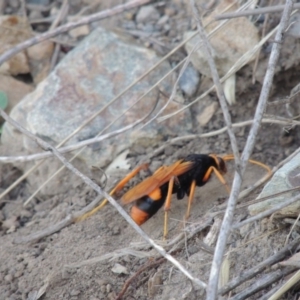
[(112, 201), (267, 213), (215, 76), (263, 282), (174, 89), (212, 133), (290, 283), (291, 230), (70, 148), (42, 155), (86, 20), (143, 268), (257, 11), (280, 255), (237, 181)]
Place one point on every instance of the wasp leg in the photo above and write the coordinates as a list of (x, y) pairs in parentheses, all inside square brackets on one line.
[(117, 188), (168, 205), (218, 174), (191, 198)]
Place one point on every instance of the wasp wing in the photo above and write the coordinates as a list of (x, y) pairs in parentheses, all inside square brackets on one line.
[(160, 177)]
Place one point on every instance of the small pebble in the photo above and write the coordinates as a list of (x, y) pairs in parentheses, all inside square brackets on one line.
[(18, 274), (87, 254), (193, 249), (163, 20), (111, 296), (170, 11), (189, 81), (74, 292), (147, 13), (169, 150), (35, 15), (9, 278), (116, 230)]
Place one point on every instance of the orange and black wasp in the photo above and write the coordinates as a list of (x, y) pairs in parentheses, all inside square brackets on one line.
[(180, 178)]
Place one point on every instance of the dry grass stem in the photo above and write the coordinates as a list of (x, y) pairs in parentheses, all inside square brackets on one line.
[(109, 257), (215, 76), (280, 255), (288, 285), (293, 227), (262, 283), (257, 11), (268, 212), (43, 155)]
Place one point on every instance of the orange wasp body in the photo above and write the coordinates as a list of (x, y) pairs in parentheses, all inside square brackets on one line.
[(180, 178)]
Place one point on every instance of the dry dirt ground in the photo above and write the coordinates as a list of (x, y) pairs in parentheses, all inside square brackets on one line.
[(62, 262), (70, 264)]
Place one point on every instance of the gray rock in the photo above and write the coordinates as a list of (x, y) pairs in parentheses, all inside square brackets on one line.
[(189, 81), (228, 44), (285, 178), (84, 82)]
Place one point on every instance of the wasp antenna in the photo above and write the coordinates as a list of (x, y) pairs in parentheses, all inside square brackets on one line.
[(252, 161), (258, 163), (216, 158), (228, 157)]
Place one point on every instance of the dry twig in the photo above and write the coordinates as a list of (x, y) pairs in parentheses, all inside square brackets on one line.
[(267, 213), (262, 283), (280, 255), (257, 11), (149, 265), (42, 155), (219, 89), (294, 280)]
